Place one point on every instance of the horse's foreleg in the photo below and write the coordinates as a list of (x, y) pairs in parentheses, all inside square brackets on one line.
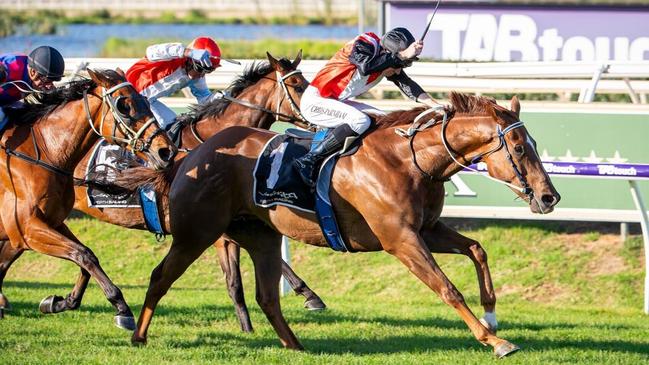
[(312, 301), (72, 301), (8, 254), (411, 250), (442, 239), (63, 244), (229, 253)]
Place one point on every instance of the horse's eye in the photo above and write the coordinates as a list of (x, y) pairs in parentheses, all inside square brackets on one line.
[(519, 149), (122, 105)]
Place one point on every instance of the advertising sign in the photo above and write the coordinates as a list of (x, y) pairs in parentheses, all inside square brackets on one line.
[(525, 33)]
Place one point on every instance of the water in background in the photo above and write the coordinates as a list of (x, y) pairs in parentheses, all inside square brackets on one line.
[(86, 40)]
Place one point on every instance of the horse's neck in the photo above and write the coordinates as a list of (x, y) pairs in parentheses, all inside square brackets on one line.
[(240, 115), (66, 135), (431, 155)]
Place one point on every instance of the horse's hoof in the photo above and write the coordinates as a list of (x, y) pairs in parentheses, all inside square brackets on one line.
[(491, 328), (138, 341), (505, 348), (47, 304), (125, 322), (315, 304), (4, 303)]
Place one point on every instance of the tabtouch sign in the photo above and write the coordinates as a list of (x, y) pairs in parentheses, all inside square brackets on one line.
[(516, 33)]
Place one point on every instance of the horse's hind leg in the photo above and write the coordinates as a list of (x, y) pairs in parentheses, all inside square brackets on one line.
[(229, 253), (442, 239), (63, 244), (8, 254), (264, 247), (312, 301), (178, 259), (410, 248)]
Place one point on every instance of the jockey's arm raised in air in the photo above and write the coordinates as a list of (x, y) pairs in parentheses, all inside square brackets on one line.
[(368, 59), (165, 51)]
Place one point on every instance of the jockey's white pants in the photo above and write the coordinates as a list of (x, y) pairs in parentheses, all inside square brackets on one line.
[(163, 114), (330, 113)]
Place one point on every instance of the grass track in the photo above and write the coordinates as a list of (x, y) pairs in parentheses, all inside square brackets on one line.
[(564, 297)]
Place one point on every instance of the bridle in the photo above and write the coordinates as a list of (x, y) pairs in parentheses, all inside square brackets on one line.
[(416, 126), (133, 138), (297, 116)]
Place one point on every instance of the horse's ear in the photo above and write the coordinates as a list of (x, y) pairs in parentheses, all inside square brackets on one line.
[(120, 72), (298, 59), (97, 77), (273, 62), (516, 106)]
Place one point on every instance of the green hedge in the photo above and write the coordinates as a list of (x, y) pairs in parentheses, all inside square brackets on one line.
[(313, 50)]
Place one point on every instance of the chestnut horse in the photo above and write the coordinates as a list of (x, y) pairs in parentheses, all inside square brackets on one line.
[(39, 154), (261, 97), (388, 196)]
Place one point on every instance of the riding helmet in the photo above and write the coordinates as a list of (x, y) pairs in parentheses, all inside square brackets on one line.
[(48, 62), (397, 40)]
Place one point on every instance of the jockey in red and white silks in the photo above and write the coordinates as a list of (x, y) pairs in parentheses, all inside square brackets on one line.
[(352, 71), (169, 67)]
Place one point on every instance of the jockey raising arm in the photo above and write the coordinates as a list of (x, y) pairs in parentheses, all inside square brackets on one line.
[(352, 71), (170, 67), (19, 74)]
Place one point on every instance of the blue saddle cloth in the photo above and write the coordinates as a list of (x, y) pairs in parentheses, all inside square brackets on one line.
[(277, 183)]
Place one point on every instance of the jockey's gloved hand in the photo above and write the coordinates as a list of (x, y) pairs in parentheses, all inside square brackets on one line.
[(201, 57), (412, 51)]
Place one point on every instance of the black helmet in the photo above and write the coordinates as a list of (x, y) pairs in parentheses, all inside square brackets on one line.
[(397, 40), (48, 62)]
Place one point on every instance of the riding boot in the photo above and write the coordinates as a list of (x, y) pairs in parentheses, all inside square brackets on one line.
[(332, 142)]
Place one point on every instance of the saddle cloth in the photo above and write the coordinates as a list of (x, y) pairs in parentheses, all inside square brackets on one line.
[(277, 183), (104, 164)]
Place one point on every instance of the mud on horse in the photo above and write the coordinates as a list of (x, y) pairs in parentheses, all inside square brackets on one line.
[(38, 155), (396, 210)]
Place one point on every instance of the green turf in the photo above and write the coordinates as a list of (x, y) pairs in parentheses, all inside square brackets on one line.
[(564, 297)]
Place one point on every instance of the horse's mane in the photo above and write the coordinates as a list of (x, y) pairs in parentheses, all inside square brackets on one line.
[(46, 102), (463, 104), (251, 74)]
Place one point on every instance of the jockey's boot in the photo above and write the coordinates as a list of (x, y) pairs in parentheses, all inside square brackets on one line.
[(332, 142)]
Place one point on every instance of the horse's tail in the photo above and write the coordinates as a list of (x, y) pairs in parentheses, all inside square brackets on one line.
[(160, 180)]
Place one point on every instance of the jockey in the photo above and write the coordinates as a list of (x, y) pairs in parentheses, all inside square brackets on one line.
[(170, 67), (352, 71), (20, 75)]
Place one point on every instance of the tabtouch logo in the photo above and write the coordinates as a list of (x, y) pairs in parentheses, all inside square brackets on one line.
[(486, 37)]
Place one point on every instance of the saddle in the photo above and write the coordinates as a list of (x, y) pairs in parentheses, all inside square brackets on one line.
[(277, 183)]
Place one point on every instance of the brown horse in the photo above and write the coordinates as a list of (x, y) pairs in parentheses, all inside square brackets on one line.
[(388, 196), (260, 99), (39, 154)]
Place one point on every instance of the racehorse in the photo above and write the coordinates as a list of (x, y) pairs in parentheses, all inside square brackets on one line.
[(265, 92), (39, 153), (387, 196)]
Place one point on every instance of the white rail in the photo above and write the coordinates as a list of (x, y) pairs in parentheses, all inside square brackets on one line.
[(562, 78)]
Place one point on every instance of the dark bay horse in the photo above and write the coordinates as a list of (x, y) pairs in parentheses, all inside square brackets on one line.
[(388, 196), (260, 99), (38, 155)]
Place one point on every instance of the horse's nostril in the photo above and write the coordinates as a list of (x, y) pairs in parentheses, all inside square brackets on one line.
[(165, 154), (549, 199)]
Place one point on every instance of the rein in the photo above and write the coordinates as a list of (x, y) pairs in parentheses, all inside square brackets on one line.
[(417, 127), (106, 99)]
